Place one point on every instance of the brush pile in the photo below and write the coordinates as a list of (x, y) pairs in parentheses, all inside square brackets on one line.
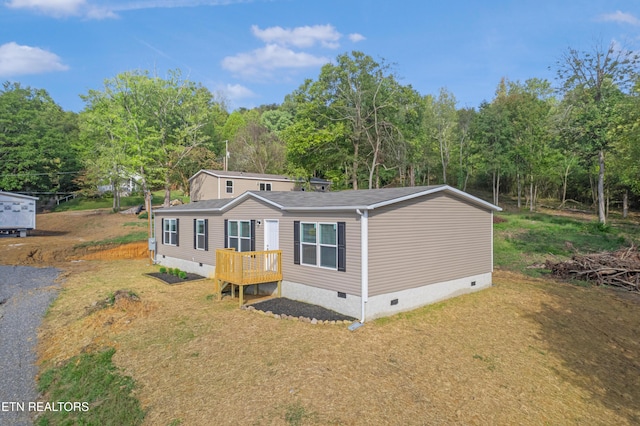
[(619, 268)]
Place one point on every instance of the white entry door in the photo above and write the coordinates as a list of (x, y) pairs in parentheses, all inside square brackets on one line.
[(271, 238), (271, 234)]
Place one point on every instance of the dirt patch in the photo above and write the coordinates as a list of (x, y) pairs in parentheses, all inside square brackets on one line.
[(57, 237), (119, 298)]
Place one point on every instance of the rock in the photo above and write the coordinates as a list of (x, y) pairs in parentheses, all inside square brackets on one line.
[(276, 316), (314, 321)]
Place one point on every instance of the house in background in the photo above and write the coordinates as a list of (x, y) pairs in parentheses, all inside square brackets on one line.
[(17, 213), (365, 253), (216, 184)]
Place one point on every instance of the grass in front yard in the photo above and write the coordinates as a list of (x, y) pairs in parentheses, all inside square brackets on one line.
[(132, 237), (93, 381), (525, 351), (528, 239)]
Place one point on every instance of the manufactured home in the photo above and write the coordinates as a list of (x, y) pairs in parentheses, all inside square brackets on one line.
[(17, 213), (216, 184), (364, 253)]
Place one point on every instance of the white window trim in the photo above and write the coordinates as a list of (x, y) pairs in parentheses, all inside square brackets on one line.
[(166, 232), (318, 245), (227, 186), (240, 238), (204, 234)]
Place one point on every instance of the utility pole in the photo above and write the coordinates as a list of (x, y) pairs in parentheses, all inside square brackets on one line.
[(226, 155)]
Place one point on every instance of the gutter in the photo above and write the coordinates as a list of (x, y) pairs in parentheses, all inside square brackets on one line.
[(364, 261)]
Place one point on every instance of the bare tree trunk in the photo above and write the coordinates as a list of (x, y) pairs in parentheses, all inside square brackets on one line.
[(412, 175), (625, 204), (519, 190), (531, 195), (601, 211), (354, 172), (564, 186)]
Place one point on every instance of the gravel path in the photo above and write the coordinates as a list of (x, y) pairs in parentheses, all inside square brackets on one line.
[(25, 294)]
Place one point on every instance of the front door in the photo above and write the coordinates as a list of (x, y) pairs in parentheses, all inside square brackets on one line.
[(271, 241), (271, 233)]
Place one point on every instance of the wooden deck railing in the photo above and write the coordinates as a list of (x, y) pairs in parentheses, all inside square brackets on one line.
[(247, 268)]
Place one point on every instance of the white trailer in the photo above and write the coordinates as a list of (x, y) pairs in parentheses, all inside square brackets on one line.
[(17, 213)]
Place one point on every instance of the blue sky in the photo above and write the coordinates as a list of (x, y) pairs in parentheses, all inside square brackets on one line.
[(254, 52)]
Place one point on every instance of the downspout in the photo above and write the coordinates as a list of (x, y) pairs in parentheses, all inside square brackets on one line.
[(364, 261), (492, 242), (218, 187)]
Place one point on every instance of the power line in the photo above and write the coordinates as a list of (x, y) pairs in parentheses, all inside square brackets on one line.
[(41, 174)]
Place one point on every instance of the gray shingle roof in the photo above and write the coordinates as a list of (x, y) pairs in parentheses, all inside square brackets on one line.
[(243, 175), (209, 205), (362, 198), (340, 200)]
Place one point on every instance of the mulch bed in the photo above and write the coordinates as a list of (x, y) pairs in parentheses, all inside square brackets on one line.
[(172, 279), (294, 308)]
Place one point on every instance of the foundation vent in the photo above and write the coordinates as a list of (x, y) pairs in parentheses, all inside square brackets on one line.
[(473, 283), (394, 302), (342, 295)]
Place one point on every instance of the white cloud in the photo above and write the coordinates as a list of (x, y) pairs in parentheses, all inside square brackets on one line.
[(238, 91), (109, 9), (20, 60), (307, 36), (269, 58), (355, 37), (50, 7), (621, 17)]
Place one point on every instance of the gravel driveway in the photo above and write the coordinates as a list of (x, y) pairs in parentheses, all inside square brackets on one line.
[(25, 294)]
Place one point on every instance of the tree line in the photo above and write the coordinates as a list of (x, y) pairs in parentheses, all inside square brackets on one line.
[(355, 124)]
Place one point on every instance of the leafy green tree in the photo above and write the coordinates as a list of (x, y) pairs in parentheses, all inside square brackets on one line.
[(359, 93), (38, 142), (157, 122), (591, 81)]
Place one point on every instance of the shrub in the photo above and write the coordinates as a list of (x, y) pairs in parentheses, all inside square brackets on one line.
[(163, 270), (182, 275)]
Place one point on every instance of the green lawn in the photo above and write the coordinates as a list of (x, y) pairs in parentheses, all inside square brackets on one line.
[(527, 239), (83, 203)]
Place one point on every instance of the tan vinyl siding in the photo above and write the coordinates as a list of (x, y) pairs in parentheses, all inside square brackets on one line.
[(185, 250), (251, 209), (241, 186), (428, 240), (348, 281), (204, 187), (207, 187)]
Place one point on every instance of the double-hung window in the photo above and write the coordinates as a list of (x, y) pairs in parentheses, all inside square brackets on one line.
[(239, 234), (229, 186), (319, 244), (265, 186), (170, 232), (200, 234)]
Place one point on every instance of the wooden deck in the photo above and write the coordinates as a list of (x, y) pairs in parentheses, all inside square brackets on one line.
[(247, 268)]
